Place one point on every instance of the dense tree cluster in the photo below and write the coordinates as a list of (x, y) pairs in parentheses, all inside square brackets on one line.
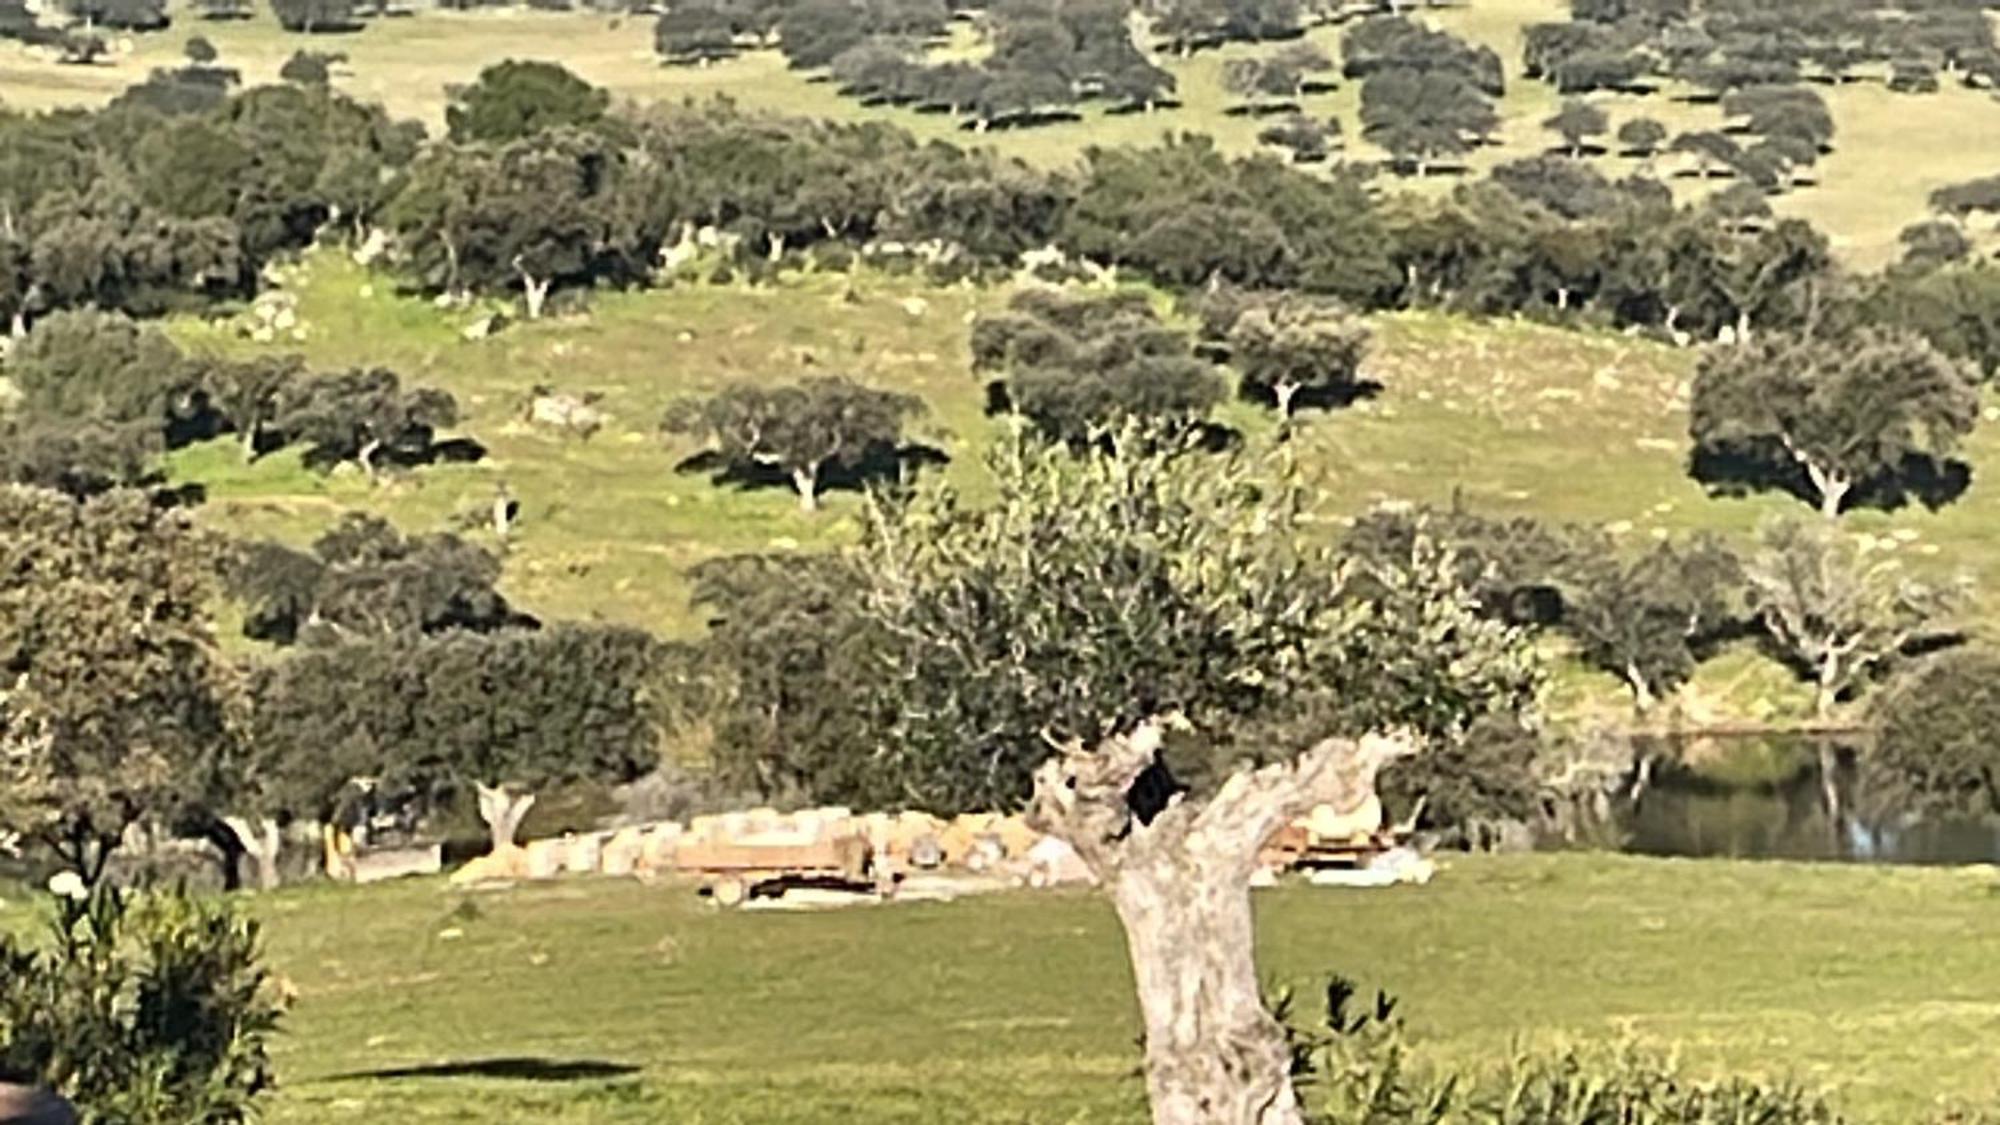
[(1738, 44), (433, 716), (362, 578), (98, 397), (180, 192), (1426, 95), (1047, 57), (538, 195)]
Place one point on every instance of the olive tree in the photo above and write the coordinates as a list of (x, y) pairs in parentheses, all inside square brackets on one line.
[(1642, 137), (1834, 612), (1155, 656), (516, 99), (804, 428), (247, 394), (1842, 411)]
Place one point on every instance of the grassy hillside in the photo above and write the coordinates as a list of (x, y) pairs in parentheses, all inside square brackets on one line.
[(631, 1004), (1893, 149), (1507, 416)]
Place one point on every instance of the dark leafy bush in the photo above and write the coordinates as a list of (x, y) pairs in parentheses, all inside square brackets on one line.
[(143, 1009)]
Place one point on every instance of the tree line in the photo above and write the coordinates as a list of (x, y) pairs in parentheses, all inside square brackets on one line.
[(541, 187), (1627, 45)]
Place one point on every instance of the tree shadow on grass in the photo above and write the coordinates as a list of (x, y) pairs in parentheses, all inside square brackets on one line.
[(516, 1068), (1929, 481), (880, 464), (1313, 398)]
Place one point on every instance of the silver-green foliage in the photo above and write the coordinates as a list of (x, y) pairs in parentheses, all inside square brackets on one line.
[(1098, 591), (143, 1009)]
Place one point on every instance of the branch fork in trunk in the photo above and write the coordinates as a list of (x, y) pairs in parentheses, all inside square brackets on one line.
[(1180, 882)]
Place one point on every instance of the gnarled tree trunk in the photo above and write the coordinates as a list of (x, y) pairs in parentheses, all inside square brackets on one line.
[(1180, 881), (261, 842), (503, 812)]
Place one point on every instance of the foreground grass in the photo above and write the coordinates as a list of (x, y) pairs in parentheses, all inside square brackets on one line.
[(1893, 149), (618, 1003)]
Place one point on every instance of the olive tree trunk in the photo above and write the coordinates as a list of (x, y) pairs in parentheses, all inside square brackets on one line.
[(503, 812), (261, 842), (1180, 882)]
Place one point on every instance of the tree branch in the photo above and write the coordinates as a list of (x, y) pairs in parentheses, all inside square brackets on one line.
[(1081, 794), (1254, 804)]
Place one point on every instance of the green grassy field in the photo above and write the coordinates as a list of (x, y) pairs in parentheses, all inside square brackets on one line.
[(1893, 149), (1018, 1007)]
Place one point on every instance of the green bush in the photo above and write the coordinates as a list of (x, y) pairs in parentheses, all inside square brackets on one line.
[(1356, 1069), (143, 1009)]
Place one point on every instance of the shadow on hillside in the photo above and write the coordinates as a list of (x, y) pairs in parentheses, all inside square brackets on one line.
[(880, 464), (1929, 481), (1313, 398), (520, 1069)]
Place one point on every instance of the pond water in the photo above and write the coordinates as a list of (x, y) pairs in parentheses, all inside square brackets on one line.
[(1797, 797)]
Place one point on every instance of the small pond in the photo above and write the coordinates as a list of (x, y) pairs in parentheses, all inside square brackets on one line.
[(1781, 796)]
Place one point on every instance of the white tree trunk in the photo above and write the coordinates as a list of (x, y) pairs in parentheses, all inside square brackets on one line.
[(1642, 692), (1829, 787), (1832, 486), (366, 456), (503, 520), (1285, 392), (1180, 884), (503, 813), (806, 481), (261, 842), (535, 293)]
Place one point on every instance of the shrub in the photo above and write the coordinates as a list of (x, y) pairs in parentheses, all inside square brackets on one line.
[(144, 1009), (1355, 1068)]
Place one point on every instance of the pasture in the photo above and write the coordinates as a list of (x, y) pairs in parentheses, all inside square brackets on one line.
[(1504, 417), (606, 1001)]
